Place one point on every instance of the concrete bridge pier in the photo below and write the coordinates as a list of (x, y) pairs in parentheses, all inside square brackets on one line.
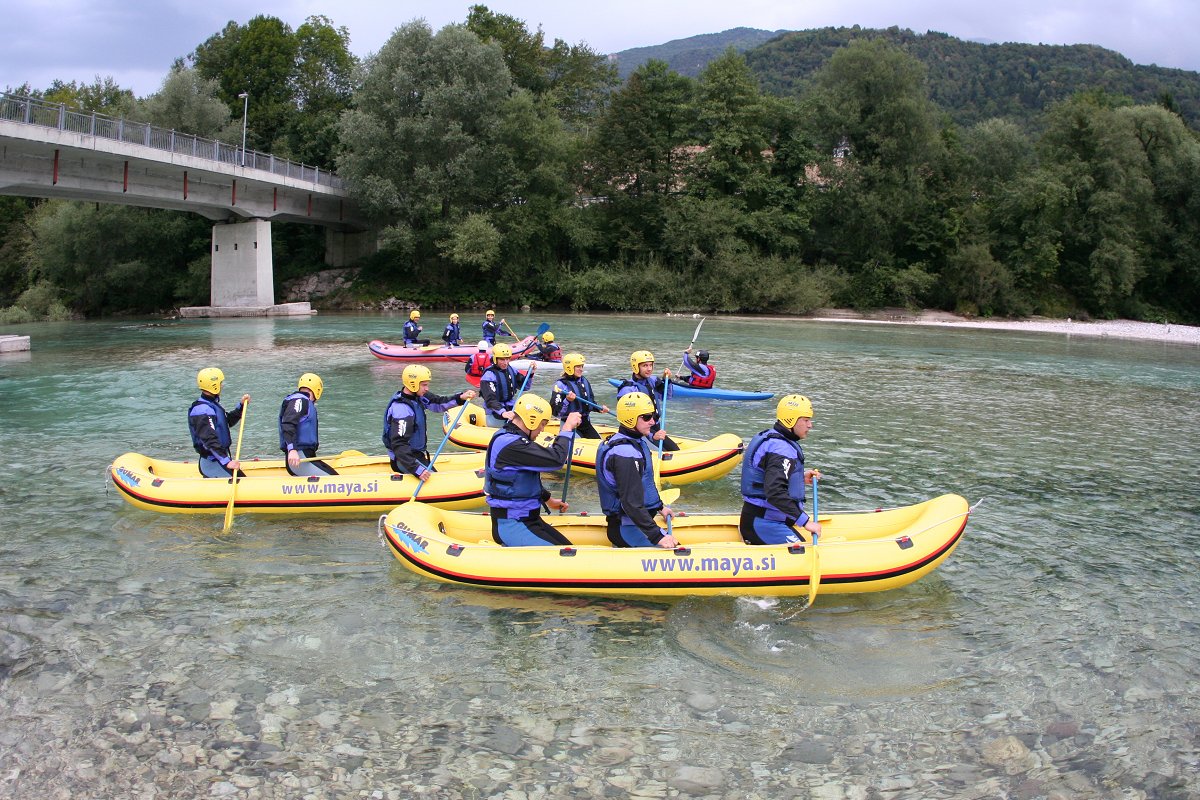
[(243, 274)]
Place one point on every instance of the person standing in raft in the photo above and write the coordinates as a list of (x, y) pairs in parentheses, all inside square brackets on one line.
[(547, 350), (700, 374), (405, 432), (492, 329), (478, 363), (773, 478), (451, 335), (570, 392), (298, 437), (625, 476), (513, 481), (499, 386), (209, 425), (645, 381), (412, 330)]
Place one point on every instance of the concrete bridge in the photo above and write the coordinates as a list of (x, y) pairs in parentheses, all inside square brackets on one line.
[(47, 150)]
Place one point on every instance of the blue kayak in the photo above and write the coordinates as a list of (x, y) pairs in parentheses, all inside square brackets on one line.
[(711, 394)]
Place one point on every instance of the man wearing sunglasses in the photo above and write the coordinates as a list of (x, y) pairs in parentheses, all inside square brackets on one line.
[(625, 474)]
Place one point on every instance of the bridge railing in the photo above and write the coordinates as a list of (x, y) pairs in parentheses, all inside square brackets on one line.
[(32, 111)]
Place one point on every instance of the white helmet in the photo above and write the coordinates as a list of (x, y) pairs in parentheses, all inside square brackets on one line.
[(483, 346)]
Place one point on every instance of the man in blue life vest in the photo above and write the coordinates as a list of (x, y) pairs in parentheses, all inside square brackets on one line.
[(645, 381), (412, 330), (513, 483), (451, 335), (500, 386), (209, 425), (625, 475), (569, 394), (491, 328), (298, 435), (547, 350), (405, 433), (773, 478), (701, 375)]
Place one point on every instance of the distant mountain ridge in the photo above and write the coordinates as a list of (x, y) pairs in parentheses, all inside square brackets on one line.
[(970, 80)]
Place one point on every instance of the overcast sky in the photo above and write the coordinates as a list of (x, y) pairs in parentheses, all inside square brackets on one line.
[(135, 41)]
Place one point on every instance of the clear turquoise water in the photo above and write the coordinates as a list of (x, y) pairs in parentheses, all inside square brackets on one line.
[(1055, 654)]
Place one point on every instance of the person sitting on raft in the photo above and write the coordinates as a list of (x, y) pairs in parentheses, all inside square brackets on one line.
[(500, 385), (701, 375), (492, 329), (773, 478), (451, 334), (412, 330), (547, 350), (405, 432), (645, 381), (298, 436), (209, 425), (479, 363), (513, 482), (625, 476), (573, 394)]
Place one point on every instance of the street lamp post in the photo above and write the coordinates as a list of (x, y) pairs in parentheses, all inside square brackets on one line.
[(245, 109)]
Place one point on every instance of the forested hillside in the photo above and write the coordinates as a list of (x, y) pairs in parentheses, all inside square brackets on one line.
[(691, 55), (820, 169)]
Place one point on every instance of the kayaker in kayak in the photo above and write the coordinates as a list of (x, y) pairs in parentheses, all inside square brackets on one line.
[(569, 394), (547, 350), (625, 476), (700, 374), (451, 334), (412, 330), (298, 436), (773, 478), (405, 432), (645, 381), (513, 482), (209, 425)]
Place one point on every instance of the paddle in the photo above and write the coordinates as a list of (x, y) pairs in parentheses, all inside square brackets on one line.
[(432, 461), (596, 406), (237, 456), (567, 477), (696, 333), (814, 579), (545, 326), (524, 383)]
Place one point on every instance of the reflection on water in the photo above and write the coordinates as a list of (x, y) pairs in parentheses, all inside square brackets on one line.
[(1054, 655)]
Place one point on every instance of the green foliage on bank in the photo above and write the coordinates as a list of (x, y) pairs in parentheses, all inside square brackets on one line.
[(500, 169)]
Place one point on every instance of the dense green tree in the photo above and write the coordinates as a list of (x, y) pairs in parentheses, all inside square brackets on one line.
[(102, 95), (186, 102), (323, 83)]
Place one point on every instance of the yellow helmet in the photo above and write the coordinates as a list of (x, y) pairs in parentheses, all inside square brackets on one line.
[(571, 361), (312, 382), (793, 407), (532, 410), (490, 313), (414, 314), (632, 406), (210, 379), (640, 357), (454, 317), (547, 337), (501, 350), (414, 375)]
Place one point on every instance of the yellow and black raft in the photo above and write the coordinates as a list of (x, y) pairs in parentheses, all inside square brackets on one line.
[(858, 552), (364, 485), (695, 460)]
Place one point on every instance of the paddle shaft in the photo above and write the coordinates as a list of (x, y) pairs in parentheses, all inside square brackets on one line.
[(567, 477), (237, 456), (814, 578), (432, 461), (587, 402)]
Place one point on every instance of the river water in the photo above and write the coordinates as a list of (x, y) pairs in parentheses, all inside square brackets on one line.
[(1056, 654)]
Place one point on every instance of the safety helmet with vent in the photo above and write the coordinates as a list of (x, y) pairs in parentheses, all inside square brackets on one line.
[(313, 383), (210, 379), (793, 407), (532, 410), (414, 375), (571, 361), (501, 350), (632, 406), (640, 357)]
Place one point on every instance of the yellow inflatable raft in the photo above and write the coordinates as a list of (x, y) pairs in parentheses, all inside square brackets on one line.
[(858, 552), (363, 485), (695, 460)]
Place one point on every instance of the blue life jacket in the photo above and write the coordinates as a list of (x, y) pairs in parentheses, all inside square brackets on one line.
[(489, 331), (452, 333), (627, 447), (505, 389), (647, 386), (209, 408), (510, 487), (581, 388), (418, 438), (411, 331), (306, 428), (753, 475)]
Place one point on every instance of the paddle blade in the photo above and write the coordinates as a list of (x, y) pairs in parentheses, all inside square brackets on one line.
[(669, 496), (545, 326), (814, 578)]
